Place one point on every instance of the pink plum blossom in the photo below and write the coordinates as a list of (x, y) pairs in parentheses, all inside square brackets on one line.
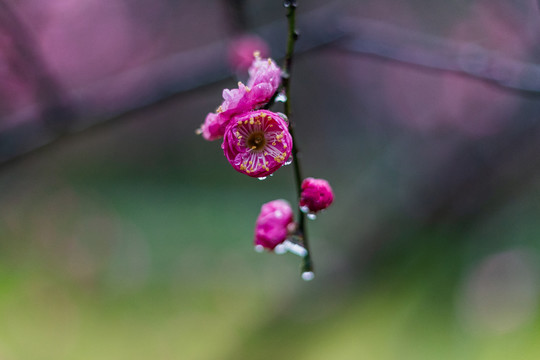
[(316, 195), (273, 224), (235, 101), (264, 80), (212, 128), (241, 50), (257, 143)]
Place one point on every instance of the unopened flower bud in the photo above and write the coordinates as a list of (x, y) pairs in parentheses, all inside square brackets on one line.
[(272, 225), (316, 195)]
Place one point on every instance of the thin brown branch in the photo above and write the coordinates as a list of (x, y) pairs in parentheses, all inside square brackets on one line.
[(28, 64), (157, 81), (370, 37)]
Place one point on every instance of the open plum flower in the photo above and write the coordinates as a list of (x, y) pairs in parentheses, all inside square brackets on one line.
[(273, 224), (316, 195), (257, 143), (212, 128), (264, 80)]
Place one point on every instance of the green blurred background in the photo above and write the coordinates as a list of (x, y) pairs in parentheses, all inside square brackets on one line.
[(129, 237)]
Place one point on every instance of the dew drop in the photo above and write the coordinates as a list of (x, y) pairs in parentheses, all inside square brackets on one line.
[(259, 248), (308, 275), (281, 97), (280, 249), (304, 209), (289, 3), (311, 216), (289, 161), (262, 178), (295, 248)]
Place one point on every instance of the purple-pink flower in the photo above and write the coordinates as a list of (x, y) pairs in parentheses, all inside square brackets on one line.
[(257, 143), (273, 224), (240, 51), (234, 102), (213, 127), (264, 80), (316, 195)]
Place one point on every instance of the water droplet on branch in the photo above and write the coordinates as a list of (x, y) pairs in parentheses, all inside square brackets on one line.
[(308, 275), (294, 248), (280, 249), (262, 178), (281, 97), (311, 216)]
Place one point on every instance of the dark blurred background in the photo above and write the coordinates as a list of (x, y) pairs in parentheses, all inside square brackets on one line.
[(123, 235)]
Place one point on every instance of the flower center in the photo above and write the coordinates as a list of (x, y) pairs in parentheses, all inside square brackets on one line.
[(256, 141)]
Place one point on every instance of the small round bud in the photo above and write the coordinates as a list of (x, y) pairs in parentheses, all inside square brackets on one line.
[(316, 195), (273, 223)]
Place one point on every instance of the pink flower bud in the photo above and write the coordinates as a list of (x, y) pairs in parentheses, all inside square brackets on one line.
[(241, 50), (257, 143), (271, 227), (316, 195)]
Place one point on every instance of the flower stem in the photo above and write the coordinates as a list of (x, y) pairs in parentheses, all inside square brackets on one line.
[(307, 265)]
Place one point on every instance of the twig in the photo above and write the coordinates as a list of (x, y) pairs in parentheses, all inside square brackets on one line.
[(155, 82), (27, 63), (307, 264), (393, 42)]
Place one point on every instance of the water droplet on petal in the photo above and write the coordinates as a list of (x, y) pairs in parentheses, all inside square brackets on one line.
[(262, 178), (280, 249), (283, 116), (311, 216), (304, 209), (281, 97), (289, 161), (259, 248), (308, 275)]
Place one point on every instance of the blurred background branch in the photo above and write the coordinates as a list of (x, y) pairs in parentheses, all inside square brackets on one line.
[(149, 84), (26, 63), (71, 110), (387, 41)]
